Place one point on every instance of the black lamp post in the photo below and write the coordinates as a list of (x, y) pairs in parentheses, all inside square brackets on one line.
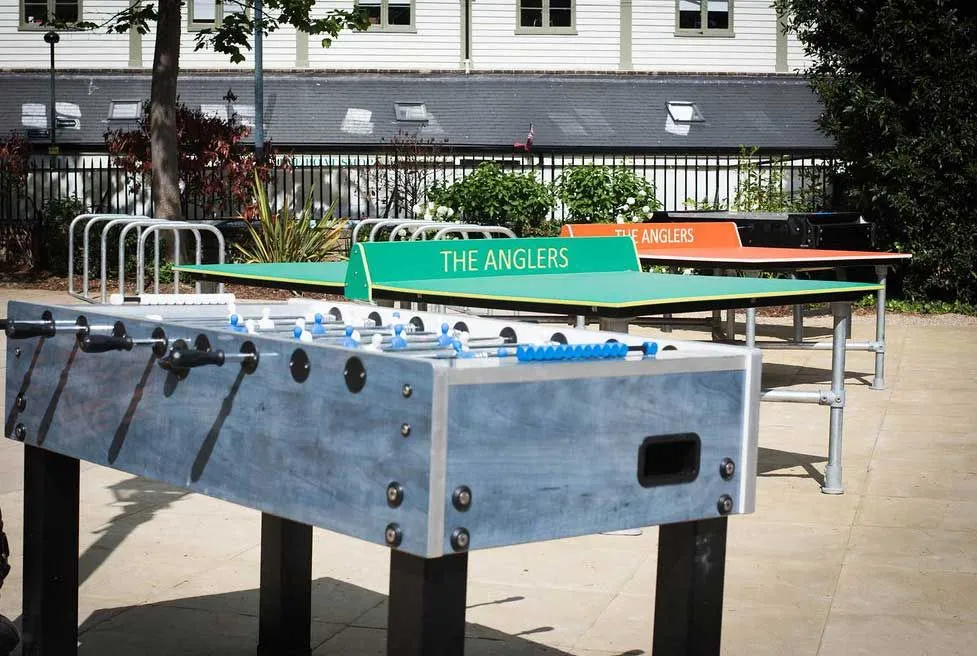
[(52, 38)]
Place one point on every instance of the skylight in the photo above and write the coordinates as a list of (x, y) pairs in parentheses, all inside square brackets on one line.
[(414, 112), (684, 112), (125, 110)]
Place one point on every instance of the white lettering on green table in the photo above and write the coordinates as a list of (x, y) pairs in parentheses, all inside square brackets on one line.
[(544, 258)]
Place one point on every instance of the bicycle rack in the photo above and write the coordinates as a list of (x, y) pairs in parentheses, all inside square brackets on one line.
[(90, 218), (465, 230), (195, 228), (128, 223)]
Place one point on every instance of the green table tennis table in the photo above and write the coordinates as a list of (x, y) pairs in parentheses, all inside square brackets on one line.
[(597, 277)]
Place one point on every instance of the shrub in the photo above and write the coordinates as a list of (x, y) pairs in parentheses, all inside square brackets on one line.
[(287, 236), (56, 216), (491, 196), (600, 194)]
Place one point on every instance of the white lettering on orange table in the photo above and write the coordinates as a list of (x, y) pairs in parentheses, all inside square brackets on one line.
[(666, 236)]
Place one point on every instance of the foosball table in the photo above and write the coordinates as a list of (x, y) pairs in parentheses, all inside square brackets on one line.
[(432, 434)]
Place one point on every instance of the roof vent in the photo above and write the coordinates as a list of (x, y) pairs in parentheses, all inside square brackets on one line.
[(413, 112), (684, 112), (125, 110)]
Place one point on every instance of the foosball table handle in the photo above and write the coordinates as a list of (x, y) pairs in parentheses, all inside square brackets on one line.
[(105, 343)]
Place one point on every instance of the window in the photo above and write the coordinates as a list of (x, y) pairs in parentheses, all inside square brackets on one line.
[(704, 18), (684, 112), (412, 112), (209, 13), (546, 16), (62, 11), (125, 110), (389, 15)]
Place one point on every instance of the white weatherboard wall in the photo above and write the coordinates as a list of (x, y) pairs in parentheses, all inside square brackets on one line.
[(595, 46), (656, 48), (796, 59), (436, 43), (27, 49)]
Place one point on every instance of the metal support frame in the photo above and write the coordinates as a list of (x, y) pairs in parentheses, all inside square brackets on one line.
[(285, 595), (50, 603), (426, 613), (689, 588), (878, 380), (841, 312)]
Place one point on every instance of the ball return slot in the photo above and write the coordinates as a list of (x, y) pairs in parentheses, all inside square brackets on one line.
[(668, 459)]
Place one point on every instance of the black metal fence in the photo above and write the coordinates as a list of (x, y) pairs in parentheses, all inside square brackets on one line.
[(390, 185)]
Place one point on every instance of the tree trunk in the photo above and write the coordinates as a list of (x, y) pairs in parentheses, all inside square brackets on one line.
[(163, 136)]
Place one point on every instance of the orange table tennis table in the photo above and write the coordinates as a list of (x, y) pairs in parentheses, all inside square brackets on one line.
[(717, 246)]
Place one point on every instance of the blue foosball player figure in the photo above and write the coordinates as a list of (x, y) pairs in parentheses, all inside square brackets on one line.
[(9, 638)]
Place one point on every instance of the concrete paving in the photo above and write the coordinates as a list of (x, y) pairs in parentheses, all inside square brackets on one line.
[(888, 568)]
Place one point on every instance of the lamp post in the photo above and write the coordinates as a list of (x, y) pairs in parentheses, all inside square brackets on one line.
[(52, 38)]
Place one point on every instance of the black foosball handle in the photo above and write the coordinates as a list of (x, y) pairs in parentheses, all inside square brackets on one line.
[(190, 358), (105, 343), (26, 329)]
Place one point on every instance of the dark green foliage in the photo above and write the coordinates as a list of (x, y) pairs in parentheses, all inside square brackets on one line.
[(56, 216), (491, 196), (599, 194), (900, 97)]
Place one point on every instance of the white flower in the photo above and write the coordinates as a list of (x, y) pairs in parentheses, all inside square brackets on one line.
[(630, 200), (450, 213), (642, 193), (429, 214), (442, 211), (646, 209), (620, 218), (635, 218), (418, 208), (624, 207)]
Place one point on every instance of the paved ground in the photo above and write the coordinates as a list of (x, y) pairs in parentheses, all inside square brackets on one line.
[(888, 568)]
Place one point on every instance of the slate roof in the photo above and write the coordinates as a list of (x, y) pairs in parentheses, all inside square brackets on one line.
[(592, 112)]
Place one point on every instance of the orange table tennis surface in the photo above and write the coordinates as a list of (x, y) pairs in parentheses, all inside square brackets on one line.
[(757, 256)]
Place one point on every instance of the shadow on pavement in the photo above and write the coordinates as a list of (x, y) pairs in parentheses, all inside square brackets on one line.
[(347, 620), (773, 462)]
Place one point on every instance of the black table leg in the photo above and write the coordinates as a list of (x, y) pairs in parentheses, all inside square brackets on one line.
[(50, 620), (427, 605), (285, 598), (689, 591)]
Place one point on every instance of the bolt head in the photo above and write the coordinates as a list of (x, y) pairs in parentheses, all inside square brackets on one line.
[(460, 539), (725, 504), (20, 432), (405, 429), (395, 494), (393, 535), (407, 390), (727, 468), (20, 402), (17, 352), (461, 498)]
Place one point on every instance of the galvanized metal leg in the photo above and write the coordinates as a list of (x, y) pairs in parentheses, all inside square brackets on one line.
[(750, 326), (689, 590), (285, 597), (833, 470), (581, 321), (427, 605), (878, 381), (50, 620), (798, 323)]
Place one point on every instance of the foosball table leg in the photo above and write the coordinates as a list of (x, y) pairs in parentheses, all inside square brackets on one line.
[(689, 590), (285, 598), (50, 621), (427, 605)]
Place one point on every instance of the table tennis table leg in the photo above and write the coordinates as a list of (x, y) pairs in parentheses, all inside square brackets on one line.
[(50, 603), (833, 470), (426, 612), (878, 381), (689, 588), (285, 595)]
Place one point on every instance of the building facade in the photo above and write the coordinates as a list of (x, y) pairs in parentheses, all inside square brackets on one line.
[(688, 36)]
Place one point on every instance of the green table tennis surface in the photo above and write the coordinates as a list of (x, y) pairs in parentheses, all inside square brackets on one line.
[(619, 292), (331, 275)]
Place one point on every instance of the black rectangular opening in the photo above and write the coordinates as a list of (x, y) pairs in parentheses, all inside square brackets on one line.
[(668, 459)]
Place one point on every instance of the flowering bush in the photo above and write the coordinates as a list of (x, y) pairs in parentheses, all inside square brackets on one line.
[(601, 194), (432, 211)]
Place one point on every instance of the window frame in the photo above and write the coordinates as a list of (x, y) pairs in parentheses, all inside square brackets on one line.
[(383, 25), (548, 29), (195, 25), (24, 26), (704, 31)]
